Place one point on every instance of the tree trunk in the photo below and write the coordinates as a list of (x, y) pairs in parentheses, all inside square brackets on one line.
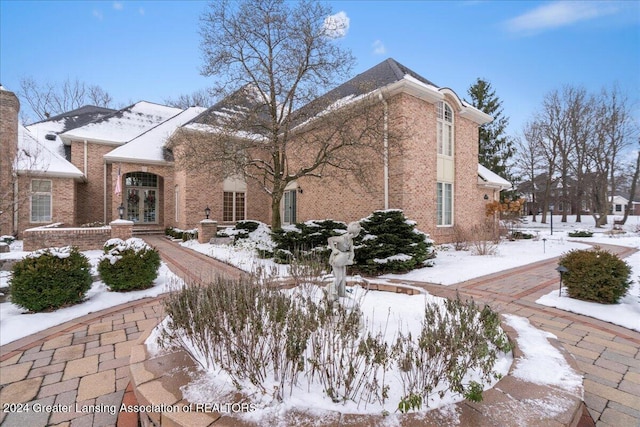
[(632, 192), (276, 218)]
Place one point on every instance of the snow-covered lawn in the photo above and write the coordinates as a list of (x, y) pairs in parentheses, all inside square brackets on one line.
[(16, 323)]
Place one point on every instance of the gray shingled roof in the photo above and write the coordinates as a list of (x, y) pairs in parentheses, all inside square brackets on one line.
[(385, 73), (78, 117)]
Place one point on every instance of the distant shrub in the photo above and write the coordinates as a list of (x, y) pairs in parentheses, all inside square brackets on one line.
[(93, 224), (128, 265), (595, 275), (581, 233), (50, 278), (518, 235), (7, 239), (390, 243), (179, 234)]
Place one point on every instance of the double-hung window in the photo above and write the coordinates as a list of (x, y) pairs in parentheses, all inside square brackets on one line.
[(444, 196), (40, 200)]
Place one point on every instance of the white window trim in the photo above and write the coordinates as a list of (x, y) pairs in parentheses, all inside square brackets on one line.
[(41, 193), (442, 125), (443, 204)]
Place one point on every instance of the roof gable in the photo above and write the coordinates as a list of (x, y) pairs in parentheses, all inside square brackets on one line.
[(149, 147), (36, 158)]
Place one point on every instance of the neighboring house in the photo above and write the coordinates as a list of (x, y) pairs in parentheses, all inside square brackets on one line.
[(619, 206), (97, 163)]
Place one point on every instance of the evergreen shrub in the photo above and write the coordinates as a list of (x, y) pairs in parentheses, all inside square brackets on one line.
[(581, 233), (305, 239), (50, 278), (595, 275), (128, 265), (390, 243)]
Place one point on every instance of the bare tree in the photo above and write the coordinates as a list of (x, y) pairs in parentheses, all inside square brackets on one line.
[(48, 99), (199, 98), (634, 185), (528, 160), (281, 55), (613, 133)]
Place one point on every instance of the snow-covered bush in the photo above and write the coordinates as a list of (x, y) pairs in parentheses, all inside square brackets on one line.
[(128, 265), (581, 233), (50, 278), (179, 234), (272, 343), (7, 239), (254, 235), (390, 243), (306, 239)]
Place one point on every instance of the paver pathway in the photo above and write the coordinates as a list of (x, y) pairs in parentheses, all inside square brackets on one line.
[(85, 362)]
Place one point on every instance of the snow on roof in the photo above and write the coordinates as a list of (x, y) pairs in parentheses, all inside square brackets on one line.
[(34, 157), (124, 125), (486, 177), (148, 147)]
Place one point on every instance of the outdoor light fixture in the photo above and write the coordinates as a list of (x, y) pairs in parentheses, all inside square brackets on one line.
[(544, 245), (551, 216), (299, 189), (121, 210), (486, 197), (207, 212), (561, 269)]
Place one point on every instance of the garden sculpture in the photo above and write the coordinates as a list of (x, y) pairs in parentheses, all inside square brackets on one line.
[(342, 254)]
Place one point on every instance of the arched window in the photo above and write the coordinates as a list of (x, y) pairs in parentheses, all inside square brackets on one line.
[(141, 197), (445, 129)]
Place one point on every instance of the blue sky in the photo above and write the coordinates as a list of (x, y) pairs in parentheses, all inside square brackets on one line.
[(149, 50)]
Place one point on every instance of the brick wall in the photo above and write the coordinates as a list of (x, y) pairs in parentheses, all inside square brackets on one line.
[(9, 109), (83, 238), (63, 202), (90, 194)]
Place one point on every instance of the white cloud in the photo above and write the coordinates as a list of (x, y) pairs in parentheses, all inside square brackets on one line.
[(378, 48), (559, 14), (98, 14), (118, 5), (336, 26)]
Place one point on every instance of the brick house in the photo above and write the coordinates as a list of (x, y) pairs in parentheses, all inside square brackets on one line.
[(120, 158)]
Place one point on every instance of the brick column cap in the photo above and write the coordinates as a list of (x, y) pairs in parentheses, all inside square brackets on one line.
[(121, 222), (208, 221)]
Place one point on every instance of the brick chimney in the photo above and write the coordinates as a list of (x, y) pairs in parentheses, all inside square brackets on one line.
[(9, 109)]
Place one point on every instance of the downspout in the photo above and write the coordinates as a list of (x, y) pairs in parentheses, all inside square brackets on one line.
[(86, 161), (14, 208), (104, 193), (385, 155)]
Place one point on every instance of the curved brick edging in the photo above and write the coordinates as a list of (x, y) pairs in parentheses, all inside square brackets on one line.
[(156, 381)]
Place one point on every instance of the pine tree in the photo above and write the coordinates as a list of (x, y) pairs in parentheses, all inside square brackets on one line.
[(495, 148)]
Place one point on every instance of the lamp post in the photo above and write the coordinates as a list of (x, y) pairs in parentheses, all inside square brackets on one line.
[(551, 216), (121, 210), (561, 269), (207, 212)]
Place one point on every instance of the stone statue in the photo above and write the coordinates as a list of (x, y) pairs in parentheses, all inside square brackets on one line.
[(342, 254)]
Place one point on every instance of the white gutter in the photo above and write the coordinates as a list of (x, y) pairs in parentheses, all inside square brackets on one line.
[(385, 151), (104, 193)]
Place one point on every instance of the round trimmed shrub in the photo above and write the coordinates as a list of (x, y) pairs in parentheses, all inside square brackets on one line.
[(596, 275), (50, 278), (128, 265)]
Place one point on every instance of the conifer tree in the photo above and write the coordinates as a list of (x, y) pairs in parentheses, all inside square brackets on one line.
[(495, 148)]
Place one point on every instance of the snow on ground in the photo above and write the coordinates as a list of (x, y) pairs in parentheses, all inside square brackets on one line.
[(16, 323), (453, 267)]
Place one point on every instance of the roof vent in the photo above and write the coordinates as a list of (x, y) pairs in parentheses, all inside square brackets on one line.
[(50, 137)]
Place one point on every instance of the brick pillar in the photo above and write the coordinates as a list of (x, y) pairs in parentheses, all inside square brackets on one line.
[(9, 109), (121, 229), (207, 230)]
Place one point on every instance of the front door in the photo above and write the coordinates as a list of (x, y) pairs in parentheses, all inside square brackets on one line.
[(141, 201)]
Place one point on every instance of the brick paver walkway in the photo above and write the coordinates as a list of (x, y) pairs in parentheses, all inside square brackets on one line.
[(85, 362)]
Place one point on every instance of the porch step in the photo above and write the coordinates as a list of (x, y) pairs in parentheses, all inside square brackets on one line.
[(147, 231)]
